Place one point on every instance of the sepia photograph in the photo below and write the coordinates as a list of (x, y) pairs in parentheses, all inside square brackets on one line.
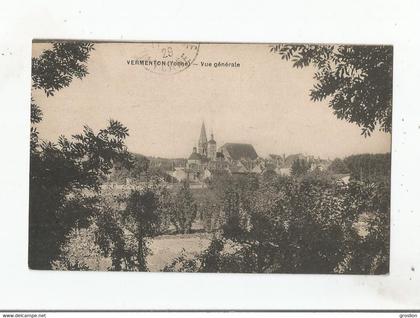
[(210, 157)]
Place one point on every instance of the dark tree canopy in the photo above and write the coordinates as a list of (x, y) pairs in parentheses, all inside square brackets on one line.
[(369, 167), (141, 217), (357, 80), (56, 67), (60, 176)]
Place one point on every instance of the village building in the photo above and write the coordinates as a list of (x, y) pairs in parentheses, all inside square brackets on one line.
[(195, 159)]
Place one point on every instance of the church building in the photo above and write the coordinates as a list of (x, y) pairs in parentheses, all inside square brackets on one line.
[(233, 157)]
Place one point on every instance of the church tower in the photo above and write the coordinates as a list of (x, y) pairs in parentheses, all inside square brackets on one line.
[(212, 148), (202, 142)]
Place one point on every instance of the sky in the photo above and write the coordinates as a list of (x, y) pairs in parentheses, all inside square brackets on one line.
[(264, 102)]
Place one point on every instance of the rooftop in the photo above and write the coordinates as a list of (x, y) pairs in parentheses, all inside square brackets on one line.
[(240, 151)]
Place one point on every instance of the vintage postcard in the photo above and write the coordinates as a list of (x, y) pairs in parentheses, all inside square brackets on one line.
[(210, 157)]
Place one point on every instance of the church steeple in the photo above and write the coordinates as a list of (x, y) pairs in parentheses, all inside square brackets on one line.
[(202, 141), (211, 148)]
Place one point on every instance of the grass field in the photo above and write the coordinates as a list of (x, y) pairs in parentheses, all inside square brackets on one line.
[(166, 248)]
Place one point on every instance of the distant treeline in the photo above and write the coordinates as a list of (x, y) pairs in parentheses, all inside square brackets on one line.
[(365, 167), (145, 166), (137, 170), (166, 164)]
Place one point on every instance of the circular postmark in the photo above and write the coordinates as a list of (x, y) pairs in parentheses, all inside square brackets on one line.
[(168, 58)]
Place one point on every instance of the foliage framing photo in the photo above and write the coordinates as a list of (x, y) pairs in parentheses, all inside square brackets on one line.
[(60, 172), (357, 80)]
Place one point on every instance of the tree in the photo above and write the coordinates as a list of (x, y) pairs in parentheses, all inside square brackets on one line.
[(357, 80), (65, 176), (109, 234), (137, 171), (141, 218), (232, 213), (209, 208), (183, 209), (368, 203), (369, 167), (64, 180), (124, 223), (55, 68), (80, 251), (141, 165), (338, 166), (300, 167)]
